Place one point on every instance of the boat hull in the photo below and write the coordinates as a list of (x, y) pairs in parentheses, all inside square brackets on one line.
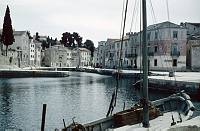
[(178, 102)]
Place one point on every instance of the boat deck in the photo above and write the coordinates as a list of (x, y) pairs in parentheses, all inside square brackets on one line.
[(163, 123)]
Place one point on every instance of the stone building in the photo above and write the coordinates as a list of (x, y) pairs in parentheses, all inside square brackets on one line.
[(58, 56), (192, 28), (19, 47), (166, 48), (84, 57), (35, 49), (100, 54), (95, 59), (193, 54), (38, 53)]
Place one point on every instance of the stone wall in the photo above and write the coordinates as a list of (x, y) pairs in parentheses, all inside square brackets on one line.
[(6, 62), (195, 55)]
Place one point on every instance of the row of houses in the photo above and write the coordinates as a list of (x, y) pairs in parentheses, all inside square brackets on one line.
[(60, 56), (27, 52), (170, 46)]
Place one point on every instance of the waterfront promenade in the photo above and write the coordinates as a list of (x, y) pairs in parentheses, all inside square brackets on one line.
[(161, 75), (7, 71)]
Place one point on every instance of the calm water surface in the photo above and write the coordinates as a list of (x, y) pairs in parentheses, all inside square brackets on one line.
[(84, 96)]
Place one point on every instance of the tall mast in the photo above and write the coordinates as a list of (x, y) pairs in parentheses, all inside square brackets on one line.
[(145, 68)]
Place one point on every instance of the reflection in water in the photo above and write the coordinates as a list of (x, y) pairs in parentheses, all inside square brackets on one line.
[(85, 96), (6, 101)]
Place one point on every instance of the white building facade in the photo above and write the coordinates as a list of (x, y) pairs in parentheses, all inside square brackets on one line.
[(166, 48), (21, 47), (35, 50), (84, 57), (58, 56)]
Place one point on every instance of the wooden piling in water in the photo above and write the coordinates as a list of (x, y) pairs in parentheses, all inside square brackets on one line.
[(43, 116)]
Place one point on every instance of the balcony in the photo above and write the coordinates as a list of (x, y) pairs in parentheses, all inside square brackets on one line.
[(175, 53), (150, 53), (131, 55), (110, 58)]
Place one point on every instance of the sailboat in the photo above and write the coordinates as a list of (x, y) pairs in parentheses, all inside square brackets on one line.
[(158, 114)]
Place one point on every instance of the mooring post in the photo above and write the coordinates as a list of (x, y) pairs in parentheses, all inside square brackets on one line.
[(43, 116), (124, 106), (64, 123)]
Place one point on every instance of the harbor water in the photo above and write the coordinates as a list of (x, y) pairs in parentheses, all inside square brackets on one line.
[(85, 96)]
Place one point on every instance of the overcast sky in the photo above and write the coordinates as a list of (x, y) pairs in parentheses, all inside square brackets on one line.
[(92, 19)]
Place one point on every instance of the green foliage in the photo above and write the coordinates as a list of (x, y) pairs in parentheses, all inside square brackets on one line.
[(78, 39), (7, 37), (37, 36), (90, 46), (29, 35), (71, 40), (44, 45), (66, 39)]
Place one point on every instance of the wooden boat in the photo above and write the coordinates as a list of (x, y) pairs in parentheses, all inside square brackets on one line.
[(179, 102)]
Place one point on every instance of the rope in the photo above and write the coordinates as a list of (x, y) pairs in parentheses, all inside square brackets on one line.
[(122, 19), (114, 95), (140, 46), (133, 14), (167, 10), (120, 57)]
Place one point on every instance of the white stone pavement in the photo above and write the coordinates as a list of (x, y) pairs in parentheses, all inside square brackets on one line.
[(179, 76)]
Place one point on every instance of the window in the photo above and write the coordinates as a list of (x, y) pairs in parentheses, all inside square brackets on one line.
[(174, 48), (117, 45), (149, 36), (155, 62), (125, 44), (174, 62), (156, 35), (156, 49), (131, 62), (175, 34), (113, 46)]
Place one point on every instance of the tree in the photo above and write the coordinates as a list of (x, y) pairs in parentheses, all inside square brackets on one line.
[(78, 39), (48, 40), (67, 39), (90, 46), (44, 44), (7, 37), (29, 35), (37, 36)]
